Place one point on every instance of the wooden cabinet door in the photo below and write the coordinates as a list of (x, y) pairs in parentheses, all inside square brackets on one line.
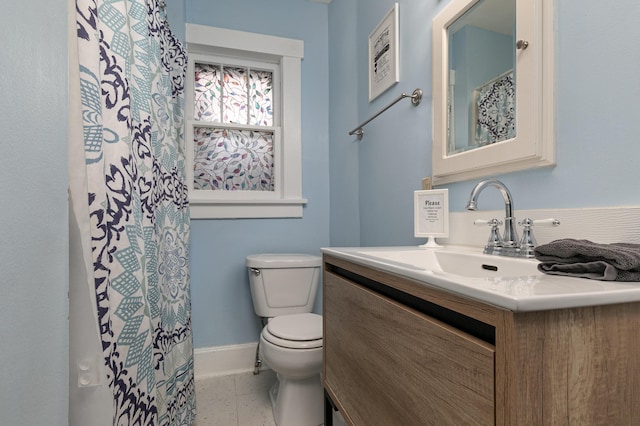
[(387, 364)]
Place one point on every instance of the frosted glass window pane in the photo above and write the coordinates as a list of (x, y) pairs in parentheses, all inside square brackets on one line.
[(234, 96), (260, 92), (233, 160), (207, 92)]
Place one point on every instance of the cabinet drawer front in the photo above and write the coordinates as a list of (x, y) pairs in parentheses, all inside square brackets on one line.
[(387, 364)]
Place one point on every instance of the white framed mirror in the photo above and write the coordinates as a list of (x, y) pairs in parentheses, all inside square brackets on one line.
[(493, 86)]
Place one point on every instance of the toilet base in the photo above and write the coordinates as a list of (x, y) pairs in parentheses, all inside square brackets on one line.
[(298, 402)]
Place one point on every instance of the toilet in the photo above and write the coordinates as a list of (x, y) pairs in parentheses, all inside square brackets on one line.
[(283, 289)]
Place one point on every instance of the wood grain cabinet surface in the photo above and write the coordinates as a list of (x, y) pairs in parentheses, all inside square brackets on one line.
[(398, 352)]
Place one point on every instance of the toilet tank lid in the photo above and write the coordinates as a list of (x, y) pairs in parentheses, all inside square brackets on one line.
[(283, 260)]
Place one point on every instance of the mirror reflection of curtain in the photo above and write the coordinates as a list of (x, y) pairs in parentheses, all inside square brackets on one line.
[(128, 189), (495, 110)]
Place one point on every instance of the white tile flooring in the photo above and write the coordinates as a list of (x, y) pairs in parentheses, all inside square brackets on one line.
[(236, 400)]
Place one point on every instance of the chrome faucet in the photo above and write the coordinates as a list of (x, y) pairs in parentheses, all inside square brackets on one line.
[(508, 244)]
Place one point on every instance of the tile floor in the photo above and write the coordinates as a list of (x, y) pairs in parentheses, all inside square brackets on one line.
[(236, 400)]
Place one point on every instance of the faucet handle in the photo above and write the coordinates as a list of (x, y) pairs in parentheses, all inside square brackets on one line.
[(528, 241), (484, 222), (546, 222), (528, 223), (495, 240)]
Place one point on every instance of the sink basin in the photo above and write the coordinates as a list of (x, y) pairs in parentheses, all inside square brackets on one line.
[(413, 257), (483, 265), (510, 283), (457, 262)]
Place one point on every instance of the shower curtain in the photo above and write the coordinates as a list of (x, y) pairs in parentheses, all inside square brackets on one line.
[(129, 204)]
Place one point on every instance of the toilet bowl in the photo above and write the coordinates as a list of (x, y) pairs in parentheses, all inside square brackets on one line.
[(283, 289), (291, 345)]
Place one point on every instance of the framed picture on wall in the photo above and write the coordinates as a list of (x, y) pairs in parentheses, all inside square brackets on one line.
[(383, 54)]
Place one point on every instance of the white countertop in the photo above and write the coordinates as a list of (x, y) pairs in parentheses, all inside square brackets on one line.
[(532, 291)]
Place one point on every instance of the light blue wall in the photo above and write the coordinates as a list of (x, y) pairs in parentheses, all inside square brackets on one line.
[(33, 219), (343, 117), (395, 153), (222, 309), (597, 113), (598, 124)]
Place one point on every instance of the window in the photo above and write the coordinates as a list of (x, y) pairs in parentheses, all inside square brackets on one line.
[(243, 131)]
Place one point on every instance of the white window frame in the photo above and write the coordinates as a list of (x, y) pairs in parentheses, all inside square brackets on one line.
[(283, 56)]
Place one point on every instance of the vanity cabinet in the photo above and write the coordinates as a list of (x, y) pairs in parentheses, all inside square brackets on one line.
[(399, 352)]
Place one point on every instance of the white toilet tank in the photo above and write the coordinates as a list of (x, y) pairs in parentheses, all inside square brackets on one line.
[(283, 284)]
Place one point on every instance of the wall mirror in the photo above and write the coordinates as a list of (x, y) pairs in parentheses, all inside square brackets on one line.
[(493, 106)]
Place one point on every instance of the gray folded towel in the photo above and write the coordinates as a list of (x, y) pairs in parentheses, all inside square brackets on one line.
[(586, 259)]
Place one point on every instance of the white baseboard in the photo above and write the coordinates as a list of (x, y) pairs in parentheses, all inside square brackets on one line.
[(224, 360)]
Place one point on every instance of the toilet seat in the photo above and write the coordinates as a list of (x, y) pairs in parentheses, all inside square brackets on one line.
[(298, 331)]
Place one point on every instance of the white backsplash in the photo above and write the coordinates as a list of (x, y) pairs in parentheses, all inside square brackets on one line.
[(601, 225)]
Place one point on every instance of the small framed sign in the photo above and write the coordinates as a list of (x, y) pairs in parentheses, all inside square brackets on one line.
[(431, 215), (384, 55)]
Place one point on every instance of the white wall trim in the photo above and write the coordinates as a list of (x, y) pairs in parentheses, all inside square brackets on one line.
[(247, 209), (244, 41), (283, 57), (224, 360)]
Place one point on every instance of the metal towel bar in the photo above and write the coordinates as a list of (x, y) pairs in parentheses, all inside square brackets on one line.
[(416, 98)]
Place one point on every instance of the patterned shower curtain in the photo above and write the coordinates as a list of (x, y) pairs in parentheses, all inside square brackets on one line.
[(132, 71)]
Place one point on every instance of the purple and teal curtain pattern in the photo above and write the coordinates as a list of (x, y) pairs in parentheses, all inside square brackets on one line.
[(132, 73)]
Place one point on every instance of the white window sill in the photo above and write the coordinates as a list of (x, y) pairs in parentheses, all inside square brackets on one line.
[(247, 209)]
